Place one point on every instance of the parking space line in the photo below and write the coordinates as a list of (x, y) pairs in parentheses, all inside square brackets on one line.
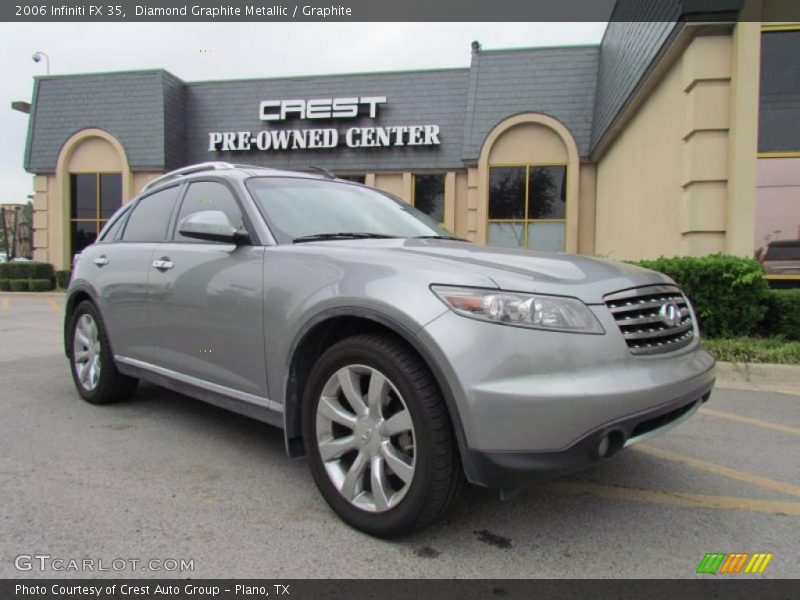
[(778, 507), (702, 465), (749, 421), (54, 306), (5, 303)]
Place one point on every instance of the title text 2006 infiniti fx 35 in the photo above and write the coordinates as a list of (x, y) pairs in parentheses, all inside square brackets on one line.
[(400, 360)]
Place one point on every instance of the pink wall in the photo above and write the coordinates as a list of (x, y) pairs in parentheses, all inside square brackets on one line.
[(777, 200)]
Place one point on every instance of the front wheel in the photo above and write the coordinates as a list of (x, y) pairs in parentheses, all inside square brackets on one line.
[(378, 437), (93, 368)]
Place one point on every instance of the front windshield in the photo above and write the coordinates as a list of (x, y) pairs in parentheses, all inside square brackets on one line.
[(295, 207)]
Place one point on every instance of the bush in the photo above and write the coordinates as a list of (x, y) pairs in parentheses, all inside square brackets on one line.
[(26, 270), (18, 285), (40, 285), (754, 350), (727, 292), (783, 314), (5, 285), (62, 278)]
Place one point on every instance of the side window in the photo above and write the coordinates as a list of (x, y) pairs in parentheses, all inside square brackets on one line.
[(150, 217), (209, 195)]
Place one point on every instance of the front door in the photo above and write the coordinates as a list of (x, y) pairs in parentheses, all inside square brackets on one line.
[(206, 301)]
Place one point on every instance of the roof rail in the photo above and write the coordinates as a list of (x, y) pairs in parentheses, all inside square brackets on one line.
[(206, 166)]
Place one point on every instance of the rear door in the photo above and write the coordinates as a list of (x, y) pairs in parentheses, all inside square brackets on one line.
[(121, 262), (207, 301)]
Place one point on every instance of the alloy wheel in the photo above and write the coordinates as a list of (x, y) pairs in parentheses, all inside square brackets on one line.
[(86, 352), (365, 438)]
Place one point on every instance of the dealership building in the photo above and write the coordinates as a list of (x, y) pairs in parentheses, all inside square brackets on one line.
[(678, 134)]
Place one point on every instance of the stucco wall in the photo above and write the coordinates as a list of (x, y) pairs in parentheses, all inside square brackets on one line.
[(669, 184), (638, 179)]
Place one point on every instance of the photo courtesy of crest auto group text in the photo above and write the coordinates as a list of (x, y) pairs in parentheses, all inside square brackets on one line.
[(423, 299)]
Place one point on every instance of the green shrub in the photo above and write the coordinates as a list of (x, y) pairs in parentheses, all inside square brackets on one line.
[(26, 270), (727, 292), (783, 314), (62, 278), (18, 285), (754, 350), (40, 285), (5, 285)]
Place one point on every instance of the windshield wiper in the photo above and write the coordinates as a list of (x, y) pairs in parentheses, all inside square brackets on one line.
[(440, 237), (342, 235)]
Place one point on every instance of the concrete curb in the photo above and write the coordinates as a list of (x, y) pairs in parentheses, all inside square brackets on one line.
[(759, 377)]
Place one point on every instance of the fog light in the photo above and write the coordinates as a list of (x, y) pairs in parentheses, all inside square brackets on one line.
[(602, 449)]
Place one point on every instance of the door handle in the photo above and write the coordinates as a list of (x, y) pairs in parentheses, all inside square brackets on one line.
[(101, 260), (163, 264)]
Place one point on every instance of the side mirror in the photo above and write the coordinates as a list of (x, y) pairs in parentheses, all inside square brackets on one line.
[(212, 226)]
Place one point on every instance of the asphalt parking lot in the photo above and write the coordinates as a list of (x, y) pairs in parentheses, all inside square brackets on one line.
[(165, 477)]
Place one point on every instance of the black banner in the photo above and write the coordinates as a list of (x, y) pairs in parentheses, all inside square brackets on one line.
[(731, 588), (374, 10)]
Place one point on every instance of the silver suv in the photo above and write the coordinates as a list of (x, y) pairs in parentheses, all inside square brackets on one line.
[(400, 360)]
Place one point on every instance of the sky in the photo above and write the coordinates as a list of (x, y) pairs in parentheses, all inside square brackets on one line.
[(203, 51)]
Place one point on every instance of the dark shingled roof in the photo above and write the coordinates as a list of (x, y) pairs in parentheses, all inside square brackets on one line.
[(559, 82), (163, 122), (129, 105)]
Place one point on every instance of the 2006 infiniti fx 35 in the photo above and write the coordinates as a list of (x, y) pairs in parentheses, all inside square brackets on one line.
[(400, 360)]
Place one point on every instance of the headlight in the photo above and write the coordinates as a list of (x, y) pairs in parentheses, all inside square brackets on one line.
[(551, 313)]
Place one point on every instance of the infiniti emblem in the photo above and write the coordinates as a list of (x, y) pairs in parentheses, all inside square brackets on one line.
[(670, 313)]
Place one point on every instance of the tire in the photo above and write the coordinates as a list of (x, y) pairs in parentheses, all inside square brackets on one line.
[(94, 371), (410, 467)]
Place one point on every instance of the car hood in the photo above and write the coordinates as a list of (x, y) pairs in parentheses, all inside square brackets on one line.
[(527, 271)]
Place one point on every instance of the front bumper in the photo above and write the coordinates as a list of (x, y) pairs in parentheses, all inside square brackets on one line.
[(533, 404), (517, 469)]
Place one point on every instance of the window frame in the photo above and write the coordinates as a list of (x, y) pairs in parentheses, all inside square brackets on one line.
[(779, 153), (98, 220), (526, 220)]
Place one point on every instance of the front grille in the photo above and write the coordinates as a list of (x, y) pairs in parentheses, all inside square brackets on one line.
[(644, 322)]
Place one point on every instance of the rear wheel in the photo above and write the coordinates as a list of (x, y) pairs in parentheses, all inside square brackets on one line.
[(378, 437), (93, 368)]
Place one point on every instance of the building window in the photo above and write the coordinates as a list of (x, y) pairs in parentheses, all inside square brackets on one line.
[(779, 93), (527, 206), (362, 179), (94, 198), (429, 195), (777, 210)]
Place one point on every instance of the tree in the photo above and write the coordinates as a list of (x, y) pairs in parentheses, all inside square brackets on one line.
[(11, 223)]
